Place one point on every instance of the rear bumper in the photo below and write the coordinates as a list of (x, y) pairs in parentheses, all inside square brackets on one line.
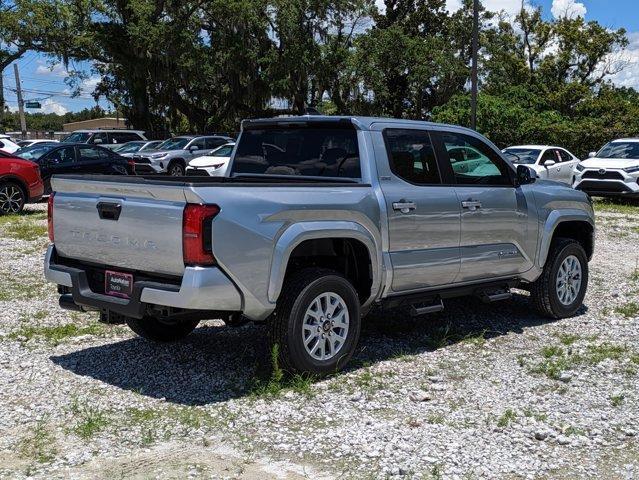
[(201, 289)]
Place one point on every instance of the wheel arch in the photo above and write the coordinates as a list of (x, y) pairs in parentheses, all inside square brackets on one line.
[(20, 182), (577, 225), (353, 248)]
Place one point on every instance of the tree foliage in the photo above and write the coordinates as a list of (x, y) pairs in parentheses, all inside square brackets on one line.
[(203, 65)]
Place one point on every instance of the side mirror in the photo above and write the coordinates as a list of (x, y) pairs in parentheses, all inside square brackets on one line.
[(592, 154), (192, 148), (97, 141), (525, 175), (549, 163)]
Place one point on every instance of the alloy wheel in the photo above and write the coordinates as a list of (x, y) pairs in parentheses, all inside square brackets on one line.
[(11, 199), (325, 326), (568, 282)]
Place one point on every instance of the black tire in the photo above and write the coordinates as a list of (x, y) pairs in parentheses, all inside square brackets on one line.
[(543, 291), (286, 324), (12, 198), (175, 168), (156, 330)]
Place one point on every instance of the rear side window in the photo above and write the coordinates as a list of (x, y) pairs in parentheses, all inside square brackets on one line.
[(91, 153), (411, 156), (310, 151), (565, 156)]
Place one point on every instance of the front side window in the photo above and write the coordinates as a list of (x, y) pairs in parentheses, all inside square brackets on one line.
[(318, 151), (411, 156), (99, 138), (62, 155), (482, 166)]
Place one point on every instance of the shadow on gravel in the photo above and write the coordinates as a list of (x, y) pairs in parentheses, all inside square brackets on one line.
[(217, 363)]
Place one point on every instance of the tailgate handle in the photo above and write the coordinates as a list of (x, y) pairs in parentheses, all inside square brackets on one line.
[(109, 211)]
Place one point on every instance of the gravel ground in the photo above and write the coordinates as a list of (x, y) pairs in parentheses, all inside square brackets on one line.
[(474, 392)]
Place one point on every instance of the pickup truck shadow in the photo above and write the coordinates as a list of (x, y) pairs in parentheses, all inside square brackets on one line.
[(217, 363)]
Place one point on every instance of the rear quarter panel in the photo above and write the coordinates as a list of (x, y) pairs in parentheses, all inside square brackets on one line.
[(256, 225)]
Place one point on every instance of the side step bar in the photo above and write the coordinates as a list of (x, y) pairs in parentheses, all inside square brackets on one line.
[(416, 310)]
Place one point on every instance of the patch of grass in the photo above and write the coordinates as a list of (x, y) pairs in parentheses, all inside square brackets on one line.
[(628, 309), (617, 399), (539, 416), (556, 360), (508, 417), (572, 430), (90, 420), (634, 276), (609, 206), (56, 334), (27, 231), (436, 418), (477, 339), (567, 338), (20, 287), (278, 382), (39, 445)]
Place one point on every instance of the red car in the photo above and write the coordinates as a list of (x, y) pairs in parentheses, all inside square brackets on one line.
[(20, 183)]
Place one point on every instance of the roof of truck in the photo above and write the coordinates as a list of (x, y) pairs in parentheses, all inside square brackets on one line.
[(363, 123)]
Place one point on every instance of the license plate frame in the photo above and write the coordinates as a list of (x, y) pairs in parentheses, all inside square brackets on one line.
[(118, 284)]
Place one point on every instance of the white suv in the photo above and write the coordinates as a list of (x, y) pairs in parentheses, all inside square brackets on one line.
[(611, 172)]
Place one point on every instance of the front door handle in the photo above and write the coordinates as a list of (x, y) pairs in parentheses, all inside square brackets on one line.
[(404, 206), (471, 205)]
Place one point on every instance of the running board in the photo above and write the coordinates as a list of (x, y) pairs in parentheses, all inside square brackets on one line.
[(495, 296), (417, 311)]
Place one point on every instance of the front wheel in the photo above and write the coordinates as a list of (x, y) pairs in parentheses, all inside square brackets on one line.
[(560, 290), (316, 323), (176, 169), (157, 330)]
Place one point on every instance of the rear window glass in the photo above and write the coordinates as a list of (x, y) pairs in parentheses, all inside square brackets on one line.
[(313, 151)]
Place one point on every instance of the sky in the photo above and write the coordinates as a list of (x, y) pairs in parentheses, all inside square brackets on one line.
[(44, 81)]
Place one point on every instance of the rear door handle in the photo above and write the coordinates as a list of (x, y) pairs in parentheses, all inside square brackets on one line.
[(404, 206), (471, 205)]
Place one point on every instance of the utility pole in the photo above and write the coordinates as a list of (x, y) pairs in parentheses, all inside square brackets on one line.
[(473, 75), (23, 121), (1, 99)]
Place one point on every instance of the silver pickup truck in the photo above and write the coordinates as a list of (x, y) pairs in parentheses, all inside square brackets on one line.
[(321, 220)]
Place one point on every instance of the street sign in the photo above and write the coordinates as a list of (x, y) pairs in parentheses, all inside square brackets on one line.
[(33, 105)]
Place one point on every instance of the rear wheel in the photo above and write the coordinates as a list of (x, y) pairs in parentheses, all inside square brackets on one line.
[(559, 291), (12, 198), (316, 323), (176, 169), (157, 330)]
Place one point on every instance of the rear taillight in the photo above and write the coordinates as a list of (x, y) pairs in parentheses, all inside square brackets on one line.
[(50, 216), (197, 234)]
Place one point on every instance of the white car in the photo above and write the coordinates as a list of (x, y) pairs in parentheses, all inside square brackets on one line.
[(28, 143), (611, 172), (214, 164), (7, 144), (550, 163)]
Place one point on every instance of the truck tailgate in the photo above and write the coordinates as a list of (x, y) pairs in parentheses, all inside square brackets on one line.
[(130, 226)]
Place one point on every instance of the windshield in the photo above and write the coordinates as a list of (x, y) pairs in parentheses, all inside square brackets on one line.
[(129, 147), (151, 146), (523, 156), (323, 151), (223, 151), (625, 150), (77, 137), (176, 143), (34, 152)]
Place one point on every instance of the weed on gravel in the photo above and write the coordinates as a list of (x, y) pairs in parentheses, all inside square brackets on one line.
[(628, 309), (557, 360), (56, 334), (38, 445), (89, 420)]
